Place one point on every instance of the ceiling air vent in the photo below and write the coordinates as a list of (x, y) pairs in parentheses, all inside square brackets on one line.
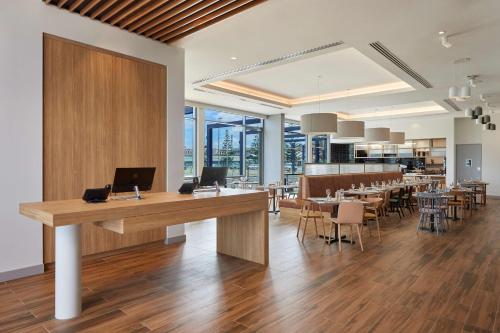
[(380, 48), (452, 104), (260, 64)]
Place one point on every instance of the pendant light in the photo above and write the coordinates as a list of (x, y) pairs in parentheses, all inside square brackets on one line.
[(468, 112), (378, 135), (318, 123), (349, 131), (397, 138), (465, 92), (453, 93)]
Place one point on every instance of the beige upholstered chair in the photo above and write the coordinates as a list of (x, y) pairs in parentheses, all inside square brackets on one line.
[(351, 214)]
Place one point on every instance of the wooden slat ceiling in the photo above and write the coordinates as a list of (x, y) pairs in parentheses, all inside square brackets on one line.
[(161, 20)]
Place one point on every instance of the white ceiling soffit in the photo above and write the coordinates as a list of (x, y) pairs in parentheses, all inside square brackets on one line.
[(270, 30)]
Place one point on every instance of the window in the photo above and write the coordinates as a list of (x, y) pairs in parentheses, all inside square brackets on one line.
[(189, 141), (294, 150), (319, 149), (234, 141)]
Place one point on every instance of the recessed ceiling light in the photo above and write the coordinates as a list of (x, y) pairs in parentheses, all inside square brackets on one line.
[(234, 58)]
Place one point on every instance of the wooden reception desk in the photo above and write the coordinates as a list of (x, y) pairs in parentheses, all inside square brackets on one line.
[(242, 228)]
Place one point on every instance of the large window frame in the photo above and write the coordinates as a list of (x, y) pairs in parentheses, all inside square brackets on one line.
[(294, 150), (243, 126), (190, 136)]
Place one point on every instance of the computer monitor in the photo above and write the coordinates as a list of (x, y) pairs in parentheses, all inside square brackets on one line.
[(211, 174), (127, 178)]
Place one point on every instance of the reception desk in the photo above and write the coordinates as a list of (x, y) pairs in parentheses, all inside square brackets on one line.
[(242, 228)]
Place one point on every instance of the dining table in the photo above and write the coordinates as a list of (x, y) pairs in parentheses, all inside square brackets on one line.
[(452, 193), (332, 205), (282, 188)]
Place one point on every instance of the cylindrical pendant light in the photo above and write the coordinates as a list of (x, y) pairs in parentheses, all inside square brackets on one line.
[(453, 92), (465, 92), (318, 123), (397, 138), (478, 111), (378, 134), (349, 131), (468, 112), (479, 120), (486, 119), (491, 126)]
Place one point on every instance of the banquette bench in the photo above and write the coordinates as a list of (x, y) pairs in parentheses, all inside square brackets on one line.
[(315, 186)]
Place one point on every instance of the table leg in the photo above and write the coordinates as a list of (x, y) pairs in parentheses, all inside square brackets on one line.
[(245, 236), (68, 272)]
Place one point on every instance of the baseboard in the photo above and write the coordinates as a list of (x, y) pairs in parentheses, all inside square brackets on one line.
[(175, 239), (21, 272), (493, 197)]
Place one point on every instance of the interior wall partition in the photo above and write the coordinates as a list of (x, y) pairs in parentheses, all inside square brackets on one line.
[(101, 110)]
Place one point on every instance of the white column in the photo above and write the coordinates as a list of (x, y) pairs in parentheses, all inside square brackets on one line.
[(200, 140), (273, 148), (68, 272)]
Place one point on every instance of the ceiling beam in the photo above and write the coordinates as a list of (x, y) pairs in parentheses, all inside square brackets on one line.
[(212, 18), (61, 3), (115, 10), (75, 5), (174, 26), (129, 11), (169, 14), (102, 8), (142, 13), (155, 14), (89, 6), (199, 7)]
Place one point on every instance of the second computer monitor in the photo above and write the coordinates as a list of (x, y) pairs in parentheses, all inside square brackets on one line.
[(209, 175)]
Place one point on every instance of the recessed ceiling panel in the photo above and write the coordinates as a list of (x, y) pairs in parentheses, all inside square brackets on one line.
[(339, 70)]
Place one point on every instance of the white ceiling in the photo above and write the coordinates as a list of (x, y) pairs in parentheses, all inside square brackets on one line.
[(407, 28), (342, 69)]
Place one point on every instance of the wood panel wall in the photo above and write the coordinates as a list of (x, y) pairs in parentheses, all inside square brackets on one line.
[(101, 110)]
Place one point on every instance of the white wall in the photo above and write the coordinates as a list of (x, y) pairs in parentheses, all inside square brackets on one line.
[(273, 148), (467, 132), (21, 26), (426, 128)]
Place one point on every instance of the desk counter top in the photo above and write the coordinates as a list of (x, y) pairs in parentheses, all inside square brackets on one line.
[(77, 211)]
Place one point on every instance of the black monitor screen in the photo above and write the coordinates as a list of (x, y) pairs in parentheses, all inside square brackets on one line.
[(127, 178), (211, 174)]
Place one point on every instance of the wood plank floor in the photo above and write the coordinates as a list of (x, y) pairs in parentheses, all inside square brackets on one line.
[(406, 283)]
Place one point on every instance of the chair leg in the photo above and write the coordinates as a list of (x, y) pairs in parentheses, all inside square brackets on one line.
[(298, 227), (359, 237), (331, 230), (305, 229), (340, 238), (378, 228), (351, 234), (323, 223), (316, 227)]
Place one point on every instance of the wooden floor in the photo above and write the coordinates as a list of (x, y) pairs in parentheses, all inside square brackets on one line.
[(406, 283)]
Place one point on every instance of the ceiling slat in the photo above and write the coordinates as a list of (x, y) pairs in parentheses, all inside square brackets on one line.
[(155, 14), (214, 17), (167, 15), (61, 3), (129, 11), (102, 8), (196, 8), (89, 6), (115, 10), (177, 23), (75, 5), (142, 13), (161, 20)]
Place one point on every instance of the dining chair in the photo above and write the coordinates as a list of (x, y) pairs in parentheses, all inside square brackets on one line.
[(396, 202), (310, 210), (460, 200), (432, 208), (372, 213), (351, 214)]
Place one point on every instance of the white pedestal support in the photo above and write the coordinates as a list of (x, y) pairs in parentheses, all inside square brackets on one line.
[(68, 272)]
